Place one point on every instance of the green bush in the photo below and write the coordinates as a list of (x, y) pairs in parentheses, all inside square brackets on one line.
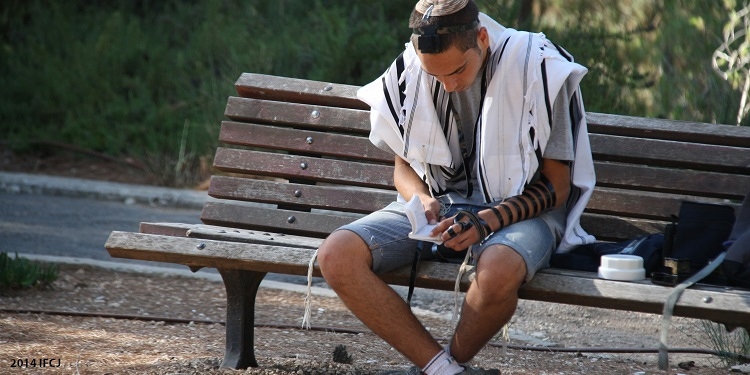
[(148, 81), (21, 273)]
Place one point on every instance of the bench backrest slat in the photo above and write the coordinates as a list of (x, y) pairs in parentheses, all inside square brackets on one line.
[(685, 182), (298, 115), (274, 220), (303, 168), (681, 131), (251, 85), (670, 153), (302, 141), (304, 196)]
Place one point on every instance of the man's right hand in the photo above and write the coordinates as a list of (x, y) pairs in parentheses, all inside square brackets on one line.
[(431, 208)]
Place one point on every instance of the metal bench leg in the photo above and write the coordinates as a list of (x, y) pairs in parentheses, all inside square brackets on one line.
[(242, 287)]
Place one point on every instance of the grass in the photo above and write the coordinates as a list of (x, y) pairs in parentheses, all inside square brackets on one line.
[(22, 273), (733, 346)]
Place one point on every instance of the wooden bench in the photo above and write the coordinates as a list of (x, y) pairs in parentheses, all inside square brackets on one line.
[(296, 164)]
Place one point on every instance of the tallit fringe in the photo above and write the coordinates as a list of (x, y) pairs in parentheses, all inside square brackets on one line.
[(457, 289), (308, 296)]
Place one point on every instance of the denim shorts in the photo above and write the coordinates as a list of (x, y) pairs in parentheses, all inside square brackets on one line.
[(386, 234)]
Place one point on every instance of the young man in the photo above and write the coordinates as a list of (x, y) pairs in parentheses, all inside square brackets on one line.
[(487, 128)]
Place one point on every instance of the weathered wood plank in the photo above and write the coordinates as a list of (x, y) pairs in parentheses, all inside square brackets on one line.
[(214, 232), (313, 224), (580, 288), (302, 141), (671, 153), (298, 115), (677, 181), (173, 229), (722, 305), (618, 228), (303, 168), (641, 204), (682, 131), (347, 199), (298, 90)]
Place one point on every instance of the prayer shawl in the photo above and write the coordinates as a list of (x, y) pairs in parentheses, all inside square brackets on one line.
[(412, 114)]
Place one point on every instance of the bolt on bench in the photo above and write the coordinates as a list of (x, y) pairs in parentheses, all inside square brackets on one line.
[(296, 164)]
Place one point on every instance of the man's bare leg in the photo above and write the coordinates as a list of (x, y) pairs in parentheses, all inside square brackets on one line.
[(346, 264), (490, 301)]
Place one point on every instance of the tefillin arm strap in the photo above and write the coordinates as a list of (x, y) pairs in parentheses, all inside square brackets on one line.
[(429, 36), (535, 199)]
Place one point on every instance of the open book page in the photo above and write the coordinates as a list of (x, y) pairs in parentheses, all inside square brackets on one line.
[(420, 229)]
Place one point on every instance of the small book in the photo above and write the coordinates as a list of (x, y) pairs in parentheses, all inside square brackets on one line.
[(420, 229)]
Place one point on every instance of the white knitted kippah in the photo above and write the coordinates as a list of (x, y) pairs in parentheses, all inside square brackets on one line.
[(440, 7)]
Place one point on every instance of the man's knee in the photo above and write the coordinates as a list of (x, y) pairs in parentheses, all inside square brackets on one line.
[(500, 271), (342, 254)]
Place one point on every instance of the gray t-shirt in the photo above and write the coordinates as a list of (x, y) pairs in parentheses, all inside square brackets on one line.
[(462, 190)]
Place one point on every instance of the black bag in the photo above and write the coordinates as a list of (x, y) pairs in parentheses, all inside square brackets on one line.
[(588, 257), (736, 265), (692, 241), (700, 233)]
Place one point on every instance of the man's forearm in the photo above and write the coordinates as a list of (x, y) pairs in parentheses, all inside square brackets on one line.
[(549, 191), (407, 182), (535, 199)]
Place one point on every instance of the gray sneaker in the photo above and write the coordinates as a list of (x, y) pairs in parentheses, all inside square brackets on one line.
[(478, 371), (413, 370)]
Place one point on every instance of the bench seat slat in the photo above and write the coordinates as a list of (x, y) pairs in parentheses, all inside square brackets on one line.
[(551, 285), (298, 115), (213, 232), (303, 168), (312, 196), (302, 141)]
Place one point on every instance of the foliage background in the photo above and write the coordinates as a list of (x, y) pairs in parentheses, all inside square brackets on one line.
[(148, 80)]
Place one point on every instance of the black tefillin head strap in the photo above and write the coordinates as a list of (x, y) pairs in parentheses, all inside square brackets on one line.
[(429, 40)]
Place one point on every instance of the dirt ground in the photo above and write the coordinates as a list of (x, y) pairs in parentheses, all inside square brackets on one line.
[(100, 321)]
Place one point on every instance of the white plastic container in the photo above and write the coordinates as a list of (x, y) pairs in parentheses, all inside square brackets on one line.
[(622, 267)]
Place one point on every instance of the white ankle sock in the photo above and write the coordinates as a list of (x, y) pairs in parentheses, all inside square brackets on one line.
[(442, 364)]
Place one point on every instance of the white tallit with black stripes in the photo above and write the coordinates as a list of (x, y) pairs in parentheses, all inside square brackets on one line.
[(412, 115)]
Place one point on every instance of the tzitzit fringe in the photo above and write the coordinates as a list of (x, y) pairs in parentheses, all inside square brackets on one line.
[(457, 288), (308, 296)]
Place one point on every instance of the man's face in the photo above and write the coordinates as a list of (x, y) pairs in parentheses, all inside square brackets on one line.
[(456, 70)]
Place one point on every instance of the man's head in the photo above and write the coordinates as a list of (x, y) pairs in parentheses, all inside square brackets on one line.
[(449, 41), (439, 24)]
